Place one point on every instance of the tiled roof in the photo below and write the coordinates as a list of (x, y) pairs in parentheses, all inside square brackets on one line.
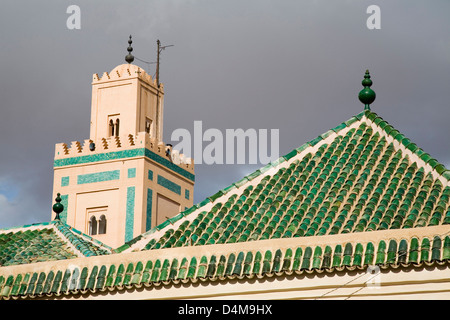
[(46, 242), (358, 195), (361, 176), (414, 252)]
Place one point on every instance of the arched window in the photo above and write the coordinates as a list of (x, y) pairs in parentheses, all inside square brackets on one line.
[(111, 128), (92, 226), (102, 225), (117, 127), (113, 125), (148, 125)]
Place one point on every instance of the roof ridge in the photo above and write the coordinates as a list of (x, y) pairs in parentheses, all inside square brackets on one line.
[(27, 226), (405, 144), (73, 235)]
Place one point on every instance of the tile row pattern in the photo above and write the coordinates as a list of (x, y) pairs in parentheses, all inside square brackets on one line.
[(48, 242), (358, 182), (389, 253)]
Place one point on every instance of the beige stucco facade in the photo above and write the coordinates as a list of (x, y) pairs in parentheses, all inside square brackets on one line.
[(123, 174)]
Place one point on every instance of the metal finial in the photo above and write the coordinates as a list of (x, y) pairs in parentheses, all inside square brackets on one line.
[(129, 57), (58, 206), (367, 95)]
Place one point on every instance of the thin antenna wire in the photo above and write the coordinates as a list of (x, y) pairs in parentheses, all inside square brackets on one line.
[(362, 286), (158, 53), (341, 286), (148, 63)]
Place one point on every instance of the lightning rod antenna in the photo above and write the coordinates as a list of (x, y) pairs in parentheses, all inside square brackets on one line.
[(160, 48)]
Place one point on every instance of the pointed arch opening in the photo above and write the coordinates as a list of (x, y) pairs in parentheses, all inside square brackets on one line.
[(102, 225), (117, 127), (92, 226), (111, 128)]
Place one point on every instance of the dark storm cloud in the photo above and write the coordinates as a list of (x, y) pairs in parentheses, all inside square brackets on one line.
[(288, 65)]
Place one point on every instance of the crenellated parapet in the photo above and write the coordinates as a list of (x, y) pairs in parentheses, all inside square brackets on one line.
[(142, 140), (126, 71)]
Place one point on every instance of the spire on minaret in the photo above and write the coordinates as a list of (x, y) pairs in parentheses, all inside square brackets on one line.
[(366, 95), (129, 57)]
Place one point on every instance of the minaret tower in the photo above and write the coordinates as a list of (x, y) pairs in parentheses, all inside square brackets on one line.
[(123, 180)]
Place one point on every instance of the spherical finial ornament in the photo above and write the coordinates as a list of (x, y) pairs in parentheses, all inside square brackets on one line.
[(129, 57), (367, 95), (58, 206)]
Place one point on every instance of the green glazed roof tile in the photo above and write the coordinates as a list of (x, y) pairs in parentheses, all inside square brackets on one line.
[(326, 134), (315, 141), (291, 154), (446, 174), (302, 147), (216, 195), (241, 182), (339, 127), (351, 121)]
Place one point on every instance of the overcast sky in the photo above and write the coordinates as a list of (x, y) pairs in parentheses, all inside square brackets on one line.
[(295, 66)]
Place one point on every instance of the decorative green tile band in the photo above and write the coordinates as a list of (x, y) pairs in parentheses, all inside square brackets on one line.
[(132, 173), (98, 177), (150, 154), (124, 154), (64, 181), (166, 183), (65, 203), (129, 215), (148, 218)]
